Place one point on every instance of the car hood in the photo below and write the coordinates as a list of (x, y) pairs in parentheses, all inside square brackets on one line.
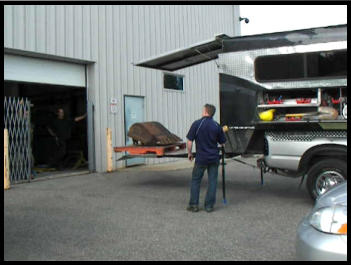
[(336, 195)]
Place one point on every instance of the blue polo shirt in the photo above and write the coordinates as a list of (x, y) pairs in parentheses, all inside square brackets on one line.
[(207, 134)]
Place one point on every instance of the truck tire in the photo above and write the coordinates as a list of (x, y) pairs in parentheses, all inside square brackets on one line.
[(325, 174)]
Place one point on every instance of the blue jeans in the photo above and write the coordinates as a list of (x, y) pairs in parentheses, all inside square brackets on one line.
[(198, 172)]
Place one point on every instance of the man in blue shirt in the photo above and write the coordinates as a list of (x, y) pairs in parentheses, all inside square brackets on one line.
[(207, 134)]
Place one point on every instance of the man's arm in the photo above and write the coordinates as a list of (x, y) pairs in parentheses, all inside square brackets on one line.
[(191, 137), (79, 118), (190, 147), (51, 132)]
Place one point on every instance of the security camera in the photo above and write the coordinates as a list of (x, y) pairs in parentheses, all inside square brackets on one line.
[(245, 19)]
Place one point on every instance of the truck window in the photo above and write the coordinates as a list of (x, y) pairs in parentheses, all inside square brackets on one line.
[(301, 66)]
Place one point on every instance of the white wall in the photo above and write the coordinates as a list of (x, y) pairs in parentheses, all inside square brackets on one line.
[(114, 37)]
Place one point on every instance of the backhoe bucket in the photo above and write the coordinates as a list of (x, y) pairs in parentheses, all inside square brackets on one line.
[(151, 134)]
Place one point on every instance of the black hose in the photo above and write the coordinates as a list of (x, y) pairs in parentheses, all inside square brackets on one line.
[(223, 176)]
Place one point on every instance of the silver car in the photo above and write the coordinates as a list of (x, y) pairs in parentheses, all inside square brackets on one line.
[(322, 234)]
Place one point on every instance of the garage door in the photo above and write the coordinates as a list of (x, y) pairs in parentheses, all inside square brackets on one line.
[(35, 70)]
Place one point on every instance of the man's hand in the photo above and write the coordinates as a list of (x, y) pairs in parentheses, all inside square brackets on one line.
[(190, 156), (190, 147), (76, 119)]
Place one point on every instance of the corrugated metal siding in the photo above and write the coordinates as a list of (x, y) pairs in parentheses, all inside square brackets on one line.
[(116, 36)]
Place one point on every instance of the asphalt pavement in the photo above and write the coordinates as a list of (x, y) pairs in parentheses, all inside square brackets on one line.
[(139, 214)]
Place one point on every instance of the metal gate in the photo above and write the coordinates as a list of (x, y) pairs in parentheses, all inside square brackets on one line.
[(17, 122)]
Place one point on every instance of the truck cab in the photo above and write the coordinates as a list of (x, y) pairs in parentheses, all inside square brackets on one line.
[(283, 95)]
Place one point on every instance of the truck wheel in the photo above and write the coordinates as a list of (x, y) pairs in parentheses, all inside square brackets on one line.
[(325, 174)]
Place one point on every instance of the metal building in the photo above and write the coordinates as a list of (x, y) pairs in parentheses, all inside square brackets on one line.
[(94, 48)]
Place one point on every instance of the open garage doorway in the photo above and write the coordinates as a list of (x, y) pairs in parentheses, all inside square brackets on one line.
[(56, 147)]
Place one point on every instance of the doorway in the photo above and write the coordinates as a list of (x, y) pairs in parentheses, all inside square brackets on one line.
[(45, 100)]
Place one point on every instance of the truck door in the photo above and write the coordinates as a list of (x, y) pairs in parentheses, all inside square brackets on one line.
[(238, 107), (238, 101)]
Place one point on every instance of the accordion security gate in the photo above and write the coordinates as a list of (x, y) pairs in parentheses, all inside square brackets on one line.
[(17, 121)]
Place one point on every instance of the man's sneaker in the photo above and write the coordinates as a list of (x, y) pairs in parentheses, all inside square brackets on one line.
[(209, 209), (193, 208)]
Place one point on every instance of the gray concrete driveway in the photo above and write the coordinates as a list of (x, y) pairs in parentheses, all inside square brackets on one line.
[(139, 214)]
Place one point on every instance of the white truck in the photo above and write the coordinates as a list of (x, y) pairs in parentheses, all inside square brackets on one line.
[(282, 95)]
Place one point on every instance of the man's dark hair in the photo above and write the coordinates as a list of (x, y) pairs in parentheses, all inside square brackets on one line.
[(211, 110)]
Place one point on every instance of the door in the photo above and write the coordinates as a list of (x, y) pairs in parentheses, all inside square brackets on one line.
[(194, 54), (133, 112), (44, 71), (34, 72)]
